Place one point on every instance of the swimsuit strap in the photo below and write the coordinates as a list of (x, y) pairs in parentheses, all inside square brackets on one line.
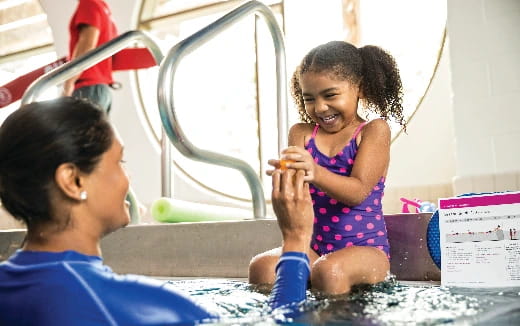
[(356, 133), (315, 131), (358, 130)]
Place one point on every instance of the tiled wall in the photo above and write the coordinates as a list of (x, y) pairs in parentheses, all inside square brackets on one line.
[(485, 69), (509, 181), (472, 140), (422, 161)]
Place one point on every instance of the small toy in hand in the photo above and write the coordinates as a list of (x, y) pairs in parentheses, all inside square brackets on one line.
[(283, 164)]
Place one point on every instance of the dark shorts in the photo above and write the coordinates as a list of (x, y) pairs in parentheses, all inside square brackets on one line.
[(99, 94)]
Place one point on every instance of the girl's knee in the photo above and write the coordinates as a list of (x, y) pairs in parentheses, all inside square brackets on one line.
[(328, 276), (262, 268), (378, 266)]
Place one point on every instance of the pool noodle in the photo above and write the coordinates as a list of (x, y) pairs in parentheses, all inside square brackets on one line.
[(169, 210)]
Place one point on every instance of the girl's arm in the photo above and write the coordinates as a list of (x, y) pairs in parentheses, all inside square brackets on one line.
[(299, 134), (370, 165)]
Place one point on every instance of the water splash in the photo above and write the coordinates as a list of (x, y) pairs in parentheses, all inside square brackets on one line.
[(386, 303)]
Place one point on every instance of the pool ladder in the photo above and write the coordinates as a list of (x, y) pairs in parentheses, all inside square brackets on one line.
[(168, 66), (166, 99)]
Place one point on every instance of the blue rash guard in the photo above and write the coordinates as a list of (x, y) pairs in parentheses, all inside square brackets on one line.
[(69, 288)]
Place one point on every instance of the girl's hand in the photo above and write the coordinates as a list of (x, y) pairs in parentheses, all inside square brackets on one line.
[(278, 165), (295, 157)]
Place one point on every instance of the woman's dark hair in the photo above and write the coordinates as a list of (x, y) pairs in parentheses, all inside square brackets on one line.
[(370, 67), (35, 140)]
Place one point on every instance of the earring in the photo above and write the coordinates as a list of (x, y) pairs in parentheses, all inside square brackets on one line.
[(83, 195)]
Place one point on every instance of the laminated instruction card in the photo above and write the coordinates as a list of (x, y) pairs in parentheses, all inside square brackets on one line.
[(480, 240)]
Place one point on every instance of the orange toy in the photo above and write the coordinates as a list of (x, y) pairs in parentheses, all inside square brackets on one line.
[(283, 164)]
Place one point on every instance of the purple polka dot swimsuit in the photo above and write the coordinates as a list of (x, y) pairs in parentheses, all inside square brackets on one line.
[(337, 225)]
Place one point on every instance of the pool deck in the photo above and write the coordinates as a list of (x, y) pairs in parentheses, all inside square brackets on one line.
[(224, 249)]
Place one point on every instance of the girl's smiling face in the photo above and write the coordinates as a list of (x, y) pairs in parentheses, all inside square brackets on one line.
[(330, 102)]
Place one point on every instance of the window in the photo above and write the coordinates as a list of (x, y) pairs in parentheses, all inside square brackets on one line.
[(23, 26), (413, 32), (216, 90), (224, 92), (24, 33)]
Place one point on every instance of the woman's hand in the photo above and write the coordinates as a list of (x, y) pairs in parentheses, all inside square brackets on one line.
[(293, 208)]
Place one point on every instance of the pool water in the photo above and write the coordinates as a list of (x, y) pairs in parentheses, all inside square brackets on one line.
[(387, 303)]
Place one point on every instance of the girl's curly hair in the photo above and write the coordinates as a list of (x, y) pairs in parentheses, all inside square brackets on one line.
[(371, 67)]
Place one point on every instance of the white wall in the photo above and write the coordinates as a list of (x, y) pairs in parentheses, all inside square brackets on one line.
[(466, 134), (485, 66), (422, 162)]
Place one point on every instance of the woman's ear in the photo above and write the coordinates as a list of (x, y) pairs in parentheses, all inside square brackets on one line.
[(69, 180)]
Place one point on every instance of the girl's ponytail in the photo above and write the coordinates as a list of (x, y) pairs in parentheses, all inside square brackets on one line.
[(381, 83)]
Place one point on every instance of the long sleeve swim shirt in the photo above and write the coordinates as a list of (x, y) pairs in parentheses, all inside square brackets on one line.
[(69, 288)]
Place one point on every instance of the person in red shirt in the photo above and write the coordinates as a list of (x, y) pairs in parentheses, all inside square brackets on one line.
[(90, 26)]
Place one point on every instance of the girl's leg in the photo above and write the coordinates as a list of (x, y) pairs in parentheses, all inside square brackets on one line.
[(262, 266), (337, 272)]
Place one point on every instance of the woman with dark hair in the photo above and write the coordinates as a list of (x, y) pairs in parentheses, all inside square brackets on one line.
[(62, 174)]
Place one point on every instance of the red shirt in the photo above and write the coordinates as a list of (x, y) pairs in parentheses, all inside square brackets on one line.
[(95, 13)]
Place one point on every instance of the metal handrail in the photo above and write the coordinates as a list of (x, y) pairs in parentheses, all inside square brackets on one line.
[(89, 59), (167, 108), (93, 57)]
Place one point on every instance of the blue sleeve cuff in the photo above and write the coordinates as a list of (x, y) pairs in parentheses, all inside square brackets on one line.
[(296, 256), (292, 274)]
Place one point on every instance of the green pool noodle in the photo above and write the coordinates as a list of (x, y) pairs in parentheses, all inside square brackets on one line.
[(168, 210)]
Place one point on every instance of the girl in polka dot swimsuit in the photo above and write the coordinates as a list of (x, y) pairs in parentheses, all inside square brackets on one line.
[(345, 159), (337, 225)]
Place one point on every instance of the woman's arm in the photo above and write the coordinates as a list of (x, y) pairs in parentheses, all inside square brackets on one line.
[(293, 208)]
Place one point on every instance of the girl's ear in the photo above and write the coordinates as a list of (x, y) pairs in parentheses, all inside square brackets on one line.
[(69, 180)]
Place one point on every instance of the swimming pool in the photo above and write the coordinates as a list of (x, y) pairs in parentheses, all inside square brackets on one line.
[(388, 303), (211, 260)]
